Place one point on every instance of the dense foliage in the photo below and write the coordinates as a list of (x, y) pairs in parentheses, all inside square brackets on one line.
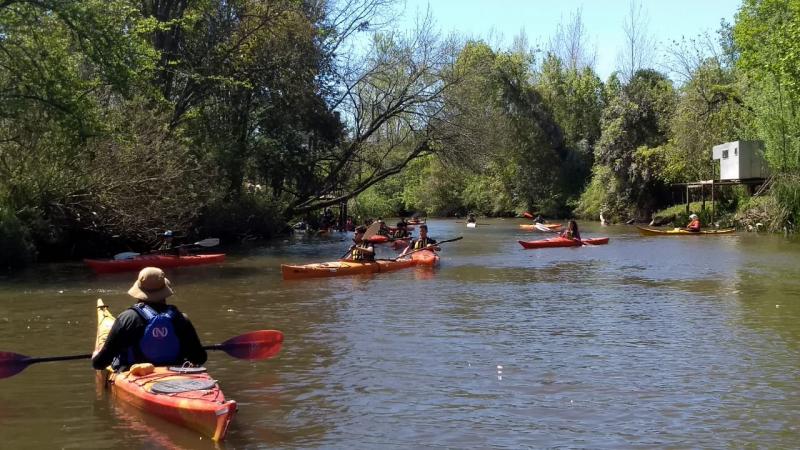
[(121, 119)]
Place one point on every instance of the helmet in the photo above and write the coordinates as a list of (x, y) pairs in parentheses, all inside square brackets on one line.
[(168, 233), (693, 216)]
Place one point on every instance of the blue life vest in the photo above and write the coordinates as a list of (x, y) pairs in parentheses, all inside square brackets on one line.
[(160, 343)]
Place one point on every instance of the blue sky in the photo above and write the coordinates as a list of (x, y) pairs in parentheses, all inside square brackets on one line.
[(668, 20)]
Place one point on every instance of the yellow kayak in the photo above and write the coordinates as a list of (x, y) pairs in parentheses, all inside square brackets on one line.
[(645, 231)]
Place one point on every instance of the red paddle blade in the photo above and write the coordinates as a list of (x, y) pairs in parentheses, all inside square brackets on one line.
[(12, 364), (255, 345), (527, 214)]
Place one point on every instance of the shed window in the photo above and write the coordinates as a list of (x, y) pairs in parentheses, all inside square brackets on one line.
[(735, 151), (724, 154)]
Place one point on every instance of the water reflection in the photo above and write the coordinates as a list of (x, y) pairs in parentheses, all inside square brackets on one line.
[(645, 342)]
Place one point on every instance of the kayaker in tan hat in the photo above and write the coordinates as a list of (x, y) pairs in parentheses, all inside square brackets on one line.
[(151, 331)]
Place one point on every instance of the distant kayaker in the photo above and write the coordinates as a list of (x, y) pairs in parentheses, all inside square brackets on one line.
[(326, 219), (572, 231), (423, 241), (384, 229), (694, 223), (401, 231), (471, 218), (151, 331), (362, 250), (168, 247)]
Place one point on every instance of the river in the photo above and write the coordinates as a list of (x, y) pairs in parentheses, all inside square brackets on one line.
[(648, 342)]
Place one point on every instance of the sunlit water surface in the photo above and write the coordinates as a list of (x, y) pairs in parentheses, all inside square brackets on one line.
[(648, 342)]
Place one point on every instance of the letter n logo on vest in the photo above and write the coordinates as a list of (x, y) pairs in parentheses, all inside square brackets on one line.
[(159, 343), (160, 332)]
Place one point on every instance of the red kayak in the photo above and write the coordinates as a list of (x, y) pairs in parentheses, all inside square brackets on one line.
[(562, 242), (142, 261), (396, 243), (378, 239), (399, 244)]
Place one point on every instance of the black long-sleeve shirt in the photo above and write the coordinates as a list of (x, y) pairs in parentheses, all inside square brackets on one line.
[(128, 330)]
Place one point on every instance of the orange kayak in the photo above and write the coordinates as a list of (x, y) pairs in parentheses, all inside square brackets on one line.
[(396, 243), (532, 227), (161, 261), (425, 258), (187, 397), (342, 268)]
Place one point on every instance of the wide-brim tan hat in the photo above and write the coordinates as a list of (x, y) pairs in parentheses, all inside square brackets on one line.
[(151, 285)]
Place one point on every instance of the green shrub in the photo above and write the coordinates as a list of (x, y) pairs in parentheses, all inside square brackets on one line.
[(786, 191), (374, 202), (720, 216)]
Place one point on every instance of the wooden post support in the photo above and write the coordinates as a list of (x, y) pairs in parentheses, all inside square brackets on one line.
[(702, 197), (687, 198), (713, 209)]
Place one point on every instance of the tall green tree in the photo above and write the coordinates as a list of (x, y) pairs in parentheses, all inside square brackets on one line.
[(767, 37), (62, 63), (767, 34), (635, 128)]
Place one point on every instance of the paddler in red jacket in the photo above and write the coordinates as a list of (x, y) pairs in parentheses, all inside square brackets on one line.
[(694, 224)]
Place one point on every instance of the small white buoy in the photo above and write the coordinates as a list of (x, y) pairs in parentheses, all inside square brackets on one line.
[(777, 306)]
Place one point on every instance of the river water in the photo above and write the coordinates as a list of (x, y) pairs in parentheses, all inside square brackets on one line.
[(648, 342)]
